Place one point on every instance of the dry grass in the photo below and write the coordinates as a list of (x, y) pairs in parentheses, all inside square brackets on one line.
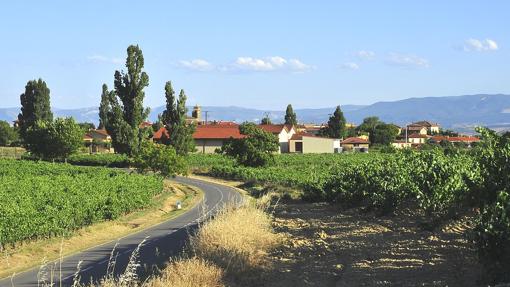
[(238, 239), (189, 273), (11, 152)]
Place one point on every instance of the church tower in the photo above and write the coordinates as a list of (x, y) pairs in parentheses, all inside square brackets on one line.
[(197, 113)]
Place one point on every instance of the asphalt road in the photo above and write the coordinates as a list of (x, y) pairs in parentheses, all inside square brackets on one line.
[(161, 242)]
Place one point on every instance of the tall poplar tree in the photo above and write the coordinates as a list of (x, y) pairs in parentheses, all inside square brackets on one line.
[(126, 104), (336, 125), (290, 116), (104, 107), (35, 106), (180, 134)]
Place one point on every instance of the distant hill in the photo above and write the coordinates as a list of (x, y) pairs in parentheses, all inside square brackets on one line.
[(460, 113)]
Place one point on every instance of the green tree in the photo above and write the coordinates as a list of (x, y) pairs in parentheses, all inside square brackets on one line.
[(35, 106), (126, 104), (266, 120), (336, 125), (87, 126), (160, 158), (369, 125), (384, 134), (157, 125), (290, 116), (56, 139), (180, 134), (378, 131), (104, 107), (8, 134), (449, 133), (256, 149)]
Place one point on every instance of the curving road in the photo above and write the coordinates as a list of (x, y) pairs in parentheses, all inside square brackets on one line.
[(161, 242)]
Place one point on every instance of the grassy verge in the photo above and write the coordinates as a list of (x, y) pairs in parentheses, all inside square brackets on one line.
[(11, 152), (33, 253)]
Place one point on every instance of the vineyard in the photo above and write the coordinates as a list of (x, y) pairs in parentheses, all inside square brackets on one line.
[(438, 182), (294, 170), (39, 200)]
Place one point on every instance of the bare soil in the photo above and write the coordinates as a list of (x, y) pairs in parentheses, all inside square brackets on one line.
[(328, 246)]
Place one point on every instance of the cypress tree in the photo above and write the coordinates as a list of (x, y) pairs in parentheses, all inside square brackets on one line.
[(35, 106), (104, 107), (336, 125), (290, 116)]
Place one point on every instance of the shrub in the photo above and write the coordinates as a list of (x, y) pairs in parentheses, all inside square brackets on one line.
[(160, 158), (492, 234), (256, 149)]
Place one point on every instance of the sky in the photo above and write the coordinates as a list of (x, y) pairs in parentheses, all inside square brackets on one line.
[(260, 54)]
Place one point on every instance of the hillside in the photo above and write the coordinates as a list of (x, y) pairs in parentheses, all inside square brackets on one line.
[(461, 113)]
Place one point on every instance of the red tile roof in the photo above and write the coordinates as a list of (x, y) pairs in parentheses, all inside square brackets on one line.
[(299, 136), (274, 129), (159, 133), (217, 132), (208, 132), (355, 140)]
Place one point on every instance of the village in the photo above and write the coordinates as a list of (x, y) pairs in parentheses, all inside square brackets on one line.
[(210, 136)]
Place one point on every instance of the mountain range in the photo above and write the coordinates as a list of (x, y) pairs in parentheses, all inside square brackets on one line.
[(460, 113)]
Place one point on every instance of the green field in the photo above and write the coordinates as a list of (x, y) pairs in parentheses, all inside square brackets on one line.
[(296, 170), (433, 179), (39, 199)]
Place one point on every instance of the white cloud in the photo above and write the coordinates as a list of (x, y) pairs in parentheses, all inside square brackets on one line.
[(297, 65), (268, 64), (409, 61), (274, 63), (254, 64), (197, 65), (480, 45), (104, 59), (350, 66), (365, 55)]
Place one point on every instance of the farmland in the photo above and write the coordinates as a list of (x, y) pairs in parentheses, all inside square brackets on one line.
[(440, 185), (40, 200), (295, 170), (437, 181)]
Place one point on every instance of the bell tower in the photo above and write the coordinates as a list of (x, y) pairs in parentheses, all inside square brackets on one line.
[(197, 113)]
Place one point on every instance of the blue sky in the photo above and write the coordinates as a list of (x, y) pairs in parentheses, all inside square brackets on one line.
[(262, 54)]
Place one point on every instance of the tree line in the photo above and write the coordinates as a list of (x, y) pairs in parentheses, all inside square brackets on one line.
[(121, 113)]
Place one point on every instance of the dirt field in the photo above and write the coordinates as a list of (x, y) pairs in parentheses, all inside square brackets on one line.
[(330, 247)]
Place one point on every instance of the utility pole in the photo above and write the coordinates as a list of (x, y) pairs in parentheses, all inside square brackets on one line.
[(406, 132), (206, 114)]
